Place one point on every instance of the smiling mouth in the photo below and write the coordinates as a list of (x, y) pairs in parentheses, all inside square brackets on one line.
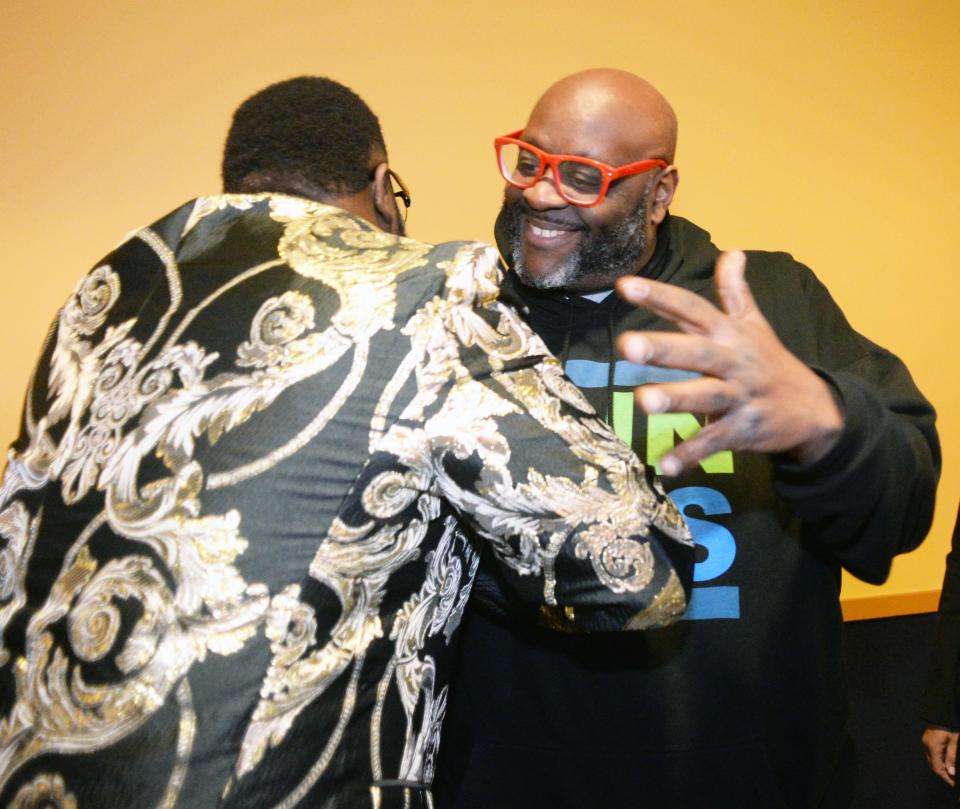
[(543, 234), (546, 233)]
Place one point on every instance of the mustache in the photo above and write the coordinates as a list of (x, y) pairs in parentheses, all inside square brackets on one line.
[(521, 208)]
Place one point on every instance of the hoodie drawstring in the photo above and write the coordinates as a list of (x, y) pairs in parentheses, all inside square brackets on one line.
[(611, 364), (566, 337)]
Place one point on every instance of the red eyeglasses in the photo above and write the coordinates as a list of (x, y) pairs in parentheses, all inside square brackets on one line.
[(579, 180)]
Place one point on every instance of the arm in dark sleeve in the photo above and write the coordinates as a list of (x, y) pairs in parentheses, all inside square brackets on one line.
[(940, 701), (872, 495)]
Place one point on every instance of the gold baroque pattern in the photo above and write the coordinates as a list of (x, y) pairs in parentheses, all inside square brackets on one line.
[(126, 433), (44, 792)]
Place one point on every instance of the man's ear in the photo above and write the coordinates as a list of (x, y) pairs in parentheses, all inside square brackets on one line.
[(384, 203), (663, 193)]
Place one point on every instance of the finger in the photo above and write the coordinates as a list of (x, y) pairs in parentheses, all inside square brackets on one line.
[(713, 438), (732, 288), (687, 310), (688, 352), (706, 396), (933, 759), (950, 761)]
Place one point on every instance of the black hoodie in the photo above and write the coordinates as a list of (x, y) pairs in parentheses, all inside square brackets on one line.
[(744, 703)]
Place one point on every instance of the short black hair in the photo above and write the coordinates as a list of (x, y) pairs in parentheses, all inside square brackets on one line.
[(309, 136)]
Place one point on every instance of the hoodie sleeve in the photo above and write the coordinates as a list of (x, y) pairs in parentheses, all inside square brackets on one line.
[(940, 703), (872, 495)]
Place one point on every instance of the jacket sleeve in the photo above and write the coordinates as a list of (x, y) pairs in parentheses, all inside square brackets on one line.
[(940, 702), (582, 538), (872, 495)]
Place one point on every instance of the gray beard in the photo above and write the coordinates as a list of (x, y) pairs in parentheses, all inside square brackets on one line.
[(600, 258)]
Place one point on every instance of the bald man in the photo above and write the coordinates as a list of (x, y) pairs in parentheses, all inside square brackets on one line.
[(818, 454)]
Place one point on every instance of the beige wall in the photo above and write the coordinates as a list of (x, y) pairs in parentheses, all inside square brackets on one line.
[(830, 129)]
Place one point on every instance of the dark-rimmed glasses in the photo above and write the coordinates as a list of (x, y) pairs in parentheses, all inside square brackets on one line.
[(579, 180), (403, 194)]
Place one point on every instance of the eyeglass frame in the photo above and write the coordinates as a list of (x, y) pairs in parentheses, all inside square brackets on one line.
[(403, 194), (608, 173)]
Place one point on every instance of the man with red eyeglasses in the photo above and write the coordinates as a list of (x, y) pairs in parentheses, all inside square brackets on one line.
[(794, 446)]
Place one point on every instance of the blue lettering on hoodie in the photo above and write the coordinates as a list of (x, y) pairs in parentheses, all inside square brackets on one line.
[(708, 602)]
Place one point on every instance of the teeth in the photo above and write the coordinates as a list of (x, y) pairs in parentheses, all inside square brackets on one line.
[(544, 233)]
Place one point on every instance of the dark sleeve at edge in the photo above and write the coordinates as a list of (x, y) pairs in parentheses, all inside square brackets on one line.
[(872, 496), (940, 701)]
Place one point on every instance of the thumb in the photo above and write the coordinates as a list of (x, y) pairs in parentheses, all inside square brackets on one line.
[(732, 288), (951, 757)]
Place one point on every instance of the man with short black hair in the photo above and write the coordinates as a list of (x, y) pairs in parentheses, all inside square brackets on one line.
[(233, 556), (309, 137), (817, 453)]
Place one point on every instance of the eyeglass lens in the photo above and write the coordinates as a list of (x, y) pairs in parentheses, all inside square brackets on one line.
[(579, 182)]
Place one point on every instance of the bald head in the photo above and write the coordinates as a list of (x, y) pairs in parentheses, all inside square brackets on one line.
[(615, 118), (614, 109)]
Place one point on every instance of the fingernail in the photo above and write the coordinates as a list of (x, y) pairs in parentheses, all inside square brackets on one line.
[(669, 465), (637, 288), (654, 401), (637, 349)]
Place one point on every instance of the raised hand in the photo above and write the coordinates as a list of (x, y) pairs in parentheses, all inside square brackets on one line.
[(757, 396)]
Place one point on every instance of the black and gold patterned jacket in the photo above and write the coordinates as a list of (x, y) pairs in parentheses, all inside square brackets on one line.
[(259, 454)]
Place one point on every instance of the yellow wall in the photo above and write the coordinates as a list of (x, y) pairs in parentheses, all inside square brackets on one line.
[(829, 129)]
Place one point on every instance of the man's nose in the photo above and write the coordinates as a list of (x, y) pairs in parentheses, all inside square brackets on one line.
[(543, 194)]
